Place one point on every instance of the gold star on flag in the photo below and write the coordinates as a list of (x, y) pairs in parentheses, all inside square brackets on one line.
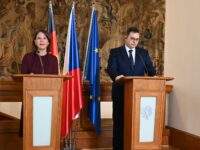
[(96, 50)]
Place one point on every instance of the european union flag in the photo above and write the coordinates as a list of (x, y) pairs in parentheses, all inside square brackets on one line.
[(92, 73)]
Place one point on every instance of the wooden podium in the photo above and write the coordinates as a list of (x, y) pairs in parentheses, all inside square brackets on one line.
[(144, 112), (42, 101)]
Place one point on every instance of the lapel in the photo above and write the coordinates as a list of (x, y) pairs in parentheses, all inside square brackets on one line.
[(137, 57)]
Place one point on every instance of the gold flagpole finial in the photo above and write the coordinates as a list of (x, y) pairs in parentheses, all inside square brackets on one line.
[(93, 4), (50, 4), (74, 2)]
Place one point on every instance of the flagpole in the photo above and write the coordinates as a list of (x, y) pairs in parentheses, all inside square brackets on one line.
[(92, 73), (70, 139), (86, 53), (52, 33)]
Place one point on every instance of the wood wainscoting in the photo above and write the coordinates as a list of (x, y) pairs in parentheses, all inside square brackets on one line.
[(11, 91), (9, 126), (86, 137), (9, 133), (183, 140)]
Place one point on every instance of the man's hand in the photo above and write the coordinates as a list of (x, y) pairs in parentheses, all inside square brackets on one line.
[(118, 77)]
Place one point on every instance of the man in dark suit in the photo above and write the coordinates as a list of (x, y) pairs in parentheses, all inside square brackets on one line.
[(127, 60)]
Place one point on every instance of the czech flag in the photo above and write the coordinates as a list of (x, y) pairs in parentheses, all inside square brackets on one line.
[(72, 92), (92, 73)]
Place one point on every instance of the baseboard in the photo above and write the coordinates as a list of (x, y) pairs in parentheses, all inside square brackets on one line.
[(183, 140)]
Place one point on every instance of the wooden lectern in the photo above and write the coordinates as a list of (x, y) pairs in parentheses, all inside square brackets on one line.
[(144, 112), (42, 101)]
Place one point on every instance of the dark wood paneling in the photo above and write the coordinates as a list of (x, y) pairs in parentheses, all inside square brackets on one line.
[(9, 133), (183, 140), (11, 91), (10, 141), (89, 138)]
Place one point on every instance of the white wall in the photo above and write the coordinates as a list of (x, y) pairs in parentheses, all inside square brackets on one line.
[(182, 61), (11, 108)]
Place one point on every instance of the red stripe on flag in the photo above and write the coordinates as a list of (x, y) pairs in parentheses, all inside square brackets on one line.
[(54, 46), (72, 100)]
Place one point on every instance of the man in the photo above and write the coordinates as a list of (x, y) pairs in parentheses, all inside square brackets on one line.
[(127, 60)]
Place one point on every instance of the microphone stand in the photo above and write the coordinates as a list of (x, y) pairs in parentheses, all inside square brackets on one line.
[(143, 63)]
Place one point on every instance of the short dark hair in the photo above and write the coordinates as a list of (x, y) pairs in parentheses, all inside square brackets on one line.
[(132, 29), (47, 36)]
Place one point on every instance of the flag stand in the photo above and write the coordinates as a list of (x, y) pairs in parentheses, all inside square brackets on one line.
[(71, 141)]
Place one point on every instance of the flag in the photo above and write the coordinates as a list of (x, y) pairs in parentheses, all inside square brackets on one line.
[(52, 32), (92, 73), (72, 92)]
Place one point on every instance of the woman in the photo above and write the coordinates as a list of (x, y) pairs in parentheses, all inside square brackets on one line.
[(39, 61)]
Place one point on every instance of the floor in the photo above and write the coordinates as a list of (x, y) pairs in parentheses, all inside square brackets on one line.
[(164, 147), (167, 147)]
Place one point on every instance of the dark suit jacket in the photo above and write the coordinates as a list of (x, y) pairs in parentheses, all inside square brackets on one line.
[(118, 64)]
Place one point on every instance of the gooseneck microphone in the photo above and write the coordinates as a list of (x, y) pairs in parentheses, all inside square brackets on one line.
[(143, 63), (42, 65)]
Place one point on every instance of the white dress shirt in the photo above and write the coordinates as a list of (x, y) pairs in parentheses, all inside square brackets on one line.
[(133, 53)]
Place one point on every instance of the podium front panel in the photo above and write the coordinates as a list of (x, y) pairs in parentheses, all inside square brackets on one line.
[(147, 118), (42, 113), (148, 124), (42, 120), (143, 114)]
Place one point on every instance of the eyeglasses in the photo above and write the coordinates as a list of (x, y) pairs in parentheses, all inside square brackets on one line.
[(135, 39)]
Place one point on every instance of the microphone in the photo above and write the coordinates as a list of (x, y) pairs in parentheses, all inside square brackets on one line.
[(42, 65), (143, 63)]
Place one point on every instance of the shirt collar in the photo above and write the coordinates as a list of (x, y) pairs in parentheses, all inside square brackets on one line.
[(127, 49)]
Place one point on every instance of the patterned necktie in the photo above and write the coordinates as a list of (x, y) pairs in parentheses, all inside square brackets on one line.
[(131, 58)]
